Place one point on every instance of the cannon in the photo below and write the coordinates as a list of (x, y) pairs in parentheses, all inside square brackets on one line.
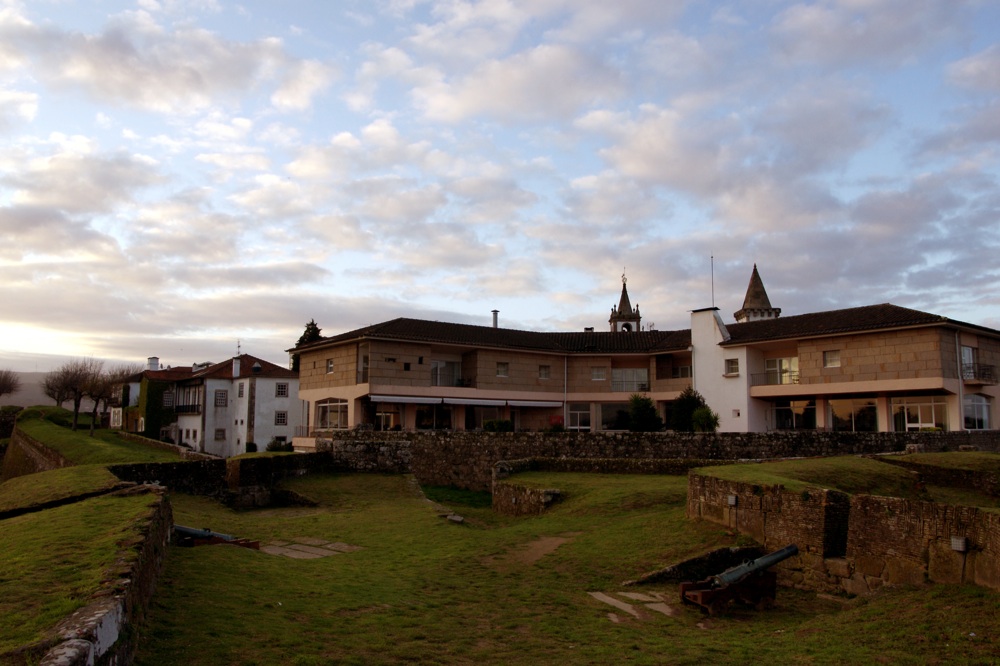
[(750, 582), (193, 536)]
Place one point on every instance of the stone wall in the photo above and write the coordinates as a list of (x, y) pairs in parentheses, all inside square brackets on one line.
[(25, 455), (184, 452), (513, 499), (855, 544), (466, 459), (198, 477)]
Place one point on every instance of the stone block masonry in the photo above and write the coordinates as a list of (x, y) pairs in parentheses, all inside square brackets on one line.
[(856, 544)]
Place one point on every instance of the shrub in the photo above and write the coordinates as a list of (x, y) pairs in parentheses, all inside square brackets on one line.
[(498, 425), (275, 445), (683, 408), (705, 420), (251, 447), (643, 416)]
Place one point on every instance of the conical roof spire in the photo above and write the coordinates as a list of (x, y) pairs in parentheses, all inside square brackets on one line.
[(756, 304), (625, 317)]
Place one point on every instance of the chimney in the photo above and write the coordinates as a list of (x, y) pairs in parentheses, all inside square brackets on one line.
[(495, 313), (236, 367), (153, 363), (588, 329)]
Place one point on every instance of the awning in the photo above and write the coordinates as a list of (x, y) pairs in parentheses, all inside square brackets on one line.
[(534, 403), (410, 399), (475, 402)]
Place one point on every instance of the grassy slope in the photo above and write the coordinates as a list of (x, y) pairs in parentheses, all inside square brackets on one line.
[(51, 562), (981, 461), (53, 485), (105, 447), (426, 590)]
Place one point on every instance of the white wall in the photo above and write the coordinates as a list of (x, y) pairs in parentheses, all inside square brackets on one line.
[(728, 396)]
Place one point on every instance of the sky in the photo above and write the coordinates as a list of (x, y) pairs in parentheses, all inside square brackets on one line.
[(188, 179)]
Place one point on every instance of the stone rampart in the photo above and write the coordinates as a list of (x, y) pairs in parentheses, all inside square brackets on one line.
[(26, 455), (855, 544), (198, 477), (105, 631), (184, 452), (466, 459)]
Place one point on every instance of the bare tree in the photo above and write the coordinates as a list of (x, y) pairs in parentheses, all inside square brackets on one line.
[(10, 382), (73, 380), (103, 386)]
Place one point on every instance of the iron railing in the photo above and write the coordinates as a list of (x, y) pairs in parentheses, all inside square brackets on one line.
[(774, 378), (628, 386), (188, 409), (979, 372)]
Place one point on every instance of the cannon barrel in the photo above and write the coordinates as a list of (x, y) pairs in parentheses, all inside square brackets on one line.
[(741, 571), (195, 533)]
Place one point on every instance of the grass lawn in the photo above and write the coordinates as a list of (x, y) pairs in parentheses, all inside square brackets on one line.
[(53, 561), (24, 491), (48, 425), (979, 461), (498, 590)]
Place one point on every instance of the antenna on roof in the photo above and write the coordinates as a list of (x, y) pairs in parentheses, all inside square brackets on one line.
[(237, 346), (713, 280)]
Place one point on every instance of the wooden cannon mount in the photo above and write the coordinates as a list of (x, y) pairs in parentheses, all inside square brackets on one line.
[(750, 583)]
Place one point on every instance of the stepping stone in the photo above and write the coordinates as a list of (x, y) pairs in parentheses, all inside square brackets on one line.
[(288, 552), (662, 608), (318, 552), (620, 605), (638, 596), (312, 541)]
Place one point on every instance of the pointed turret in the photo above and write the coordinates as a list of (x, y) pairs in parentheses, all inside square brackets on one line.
[(624, 318), (756, 304)]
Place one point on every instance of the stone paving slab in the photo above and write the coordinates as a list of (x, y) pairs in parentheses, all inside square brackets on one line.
[(308, 548), (638, 596), (662, 608), (288, 552), (620, 605)]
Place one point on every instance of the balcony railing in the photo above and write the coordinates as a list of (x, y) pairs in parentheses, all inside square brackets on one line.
[(188, 409), (774, 378), (979, 373), (628, 386)]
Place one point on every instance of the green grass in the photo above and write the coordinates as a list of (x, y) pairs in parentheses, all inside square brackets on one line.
[(424, 590), (56, 484), (978, 461), (49, 425), (52, 562)]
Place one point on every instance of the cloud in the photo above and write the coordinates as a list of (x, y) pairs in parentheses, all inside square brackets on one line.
[(17, 106), (137, 62), (848, 32), (979, 72), (542, 83)]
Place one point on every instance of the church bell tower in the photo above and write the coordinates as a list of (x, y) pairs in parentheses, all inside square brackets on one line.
[(624, 318)]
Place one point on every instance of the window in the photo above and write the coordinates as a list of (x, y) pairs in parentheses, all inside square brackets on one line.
[(680, 372), (446, 373), (614, 416), (793, 415), (732, 366), (194, 435), (545, 372), (598, 374), (168, 399), (781, 370), (406, 367), (970, 355), (331, 414), (280, 390), (629, 380), (919, 413), (362, 364), (239, 392), (853, 416), (221, 398), (579, 416), (433, 417), (977, 412), (329, 365), (502, 368), (220, 434), (281, 418), (831, 359)]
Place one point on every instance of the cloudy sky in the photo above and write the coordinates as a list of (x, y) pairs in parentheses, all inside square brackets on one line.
[(180, 175)]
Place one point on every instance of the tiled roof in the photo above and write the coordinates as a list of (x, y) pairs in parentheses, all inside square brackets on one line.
[(168, 374), (421, 330), (834, 322), (224, 370)]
